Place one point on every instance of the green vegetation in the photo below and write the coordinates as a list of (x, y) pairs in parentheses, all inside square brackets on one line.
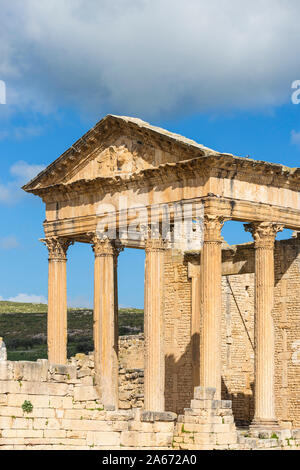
[(27, 406), (24, 329), (18, 307)]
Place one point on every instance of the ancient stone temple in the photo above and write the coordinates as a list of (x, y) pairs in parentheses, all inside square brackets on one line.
[(221, 323)]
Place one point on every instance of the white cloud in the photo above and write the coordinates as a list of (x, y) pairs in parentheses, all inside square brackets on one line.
[(149, 57), (4, 193), (30, 298), (21, 172), (295, 138), (21, 132), (24, 171), (9, 243)]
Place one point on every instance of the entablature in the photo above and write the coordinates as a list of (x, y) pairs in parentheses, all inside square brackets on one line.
[(229, 209)]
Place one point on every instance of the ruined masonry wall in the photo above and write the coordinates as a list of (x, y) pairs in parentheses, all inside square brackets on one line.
[(66, 412), (63, 412)]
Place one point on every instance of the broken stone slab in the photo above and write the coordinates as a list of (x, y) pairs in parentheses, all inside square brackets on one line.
[(61, 369), (31, 371), (152, 416), (3, 352)]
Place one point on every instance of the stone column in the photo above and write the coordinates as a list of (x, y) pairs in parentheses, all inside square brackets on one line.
[(106, 321), (57, 299), (211, 304), (154, 326), (194, 275), (264, 235)]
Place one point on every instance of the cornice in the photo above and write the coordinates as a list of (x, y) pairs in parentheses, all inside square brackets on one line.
[(222, 166)]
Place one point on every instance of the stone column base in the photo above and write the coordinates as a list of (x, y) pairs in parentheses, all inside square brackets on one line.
[(208, 424), (264, 424)]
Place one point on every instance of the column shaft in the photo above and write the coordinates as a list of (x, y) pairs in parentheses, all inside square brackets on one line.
[(154, 327), (194, 275), (57, 300), (264, 235), (105, 322), (211, 305)]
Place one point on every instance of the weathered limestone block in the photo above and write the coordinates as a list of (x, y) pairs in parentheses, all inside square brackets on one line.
[(204, 393), (5, 422), (46, 423), (104, 438), (152, 416), (3, 399), (31, 371), (33, 388), (77, 434), (15, 433), (38, 401), (87, 380), (61, 369), (161, 427), (120, 415), (84, 393), (137, 425), (83, 372), (55, 433), (6, 370), (203, 438)]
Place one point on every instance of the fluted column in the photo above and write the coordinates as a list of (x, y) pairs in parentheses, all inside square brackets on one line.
[(57, 299), (211, 304), (194, 275), (264, 235), (154, 326), (106, 320)]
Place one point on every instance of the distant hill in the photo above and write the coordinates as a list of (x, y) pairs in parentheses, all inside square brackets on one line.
[(23, 327), (18, 307)]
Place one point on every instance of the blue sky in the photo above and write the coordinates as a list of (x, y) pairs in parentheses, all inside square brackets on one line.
[(227, 87)]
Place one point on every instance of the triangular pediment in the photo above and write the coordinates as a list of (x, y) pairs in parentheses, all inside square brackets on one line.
[(124, 157), (117, 146)]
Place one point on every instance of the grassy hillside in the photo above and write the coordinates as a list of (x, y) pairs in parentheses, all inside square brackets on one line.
[(23, 327)]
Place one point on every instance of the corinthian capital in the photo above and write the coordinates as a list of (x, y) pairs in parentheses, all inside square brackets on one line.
[(57, 247), (212, 228), (264, 233), (105, 247)]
